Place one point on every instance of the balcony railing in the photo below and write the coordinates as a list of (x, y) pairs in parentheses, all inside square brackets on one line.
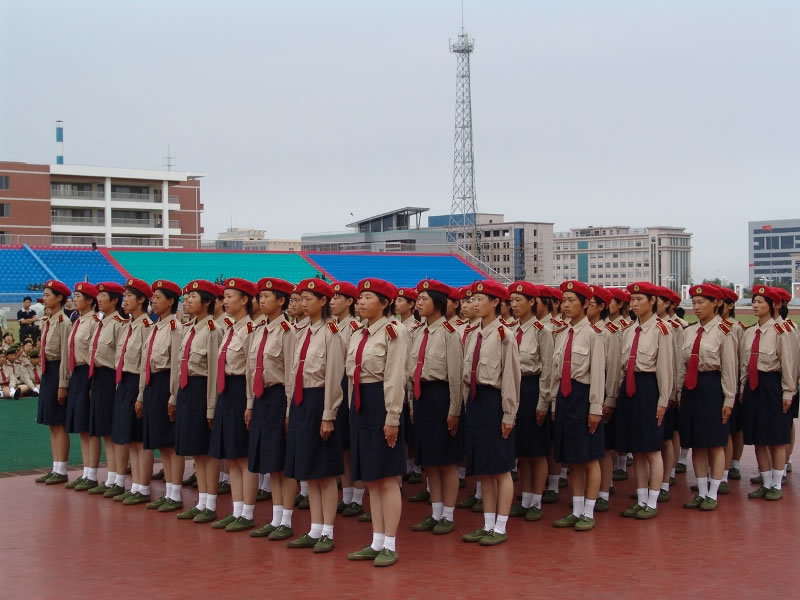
[(122, 196), (70, 194), (69, 220)]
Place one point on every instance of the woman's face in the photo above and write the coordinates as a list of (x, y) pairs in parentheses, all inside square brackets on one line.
[(760, 307), (404, 306), (312, 304), (82, 303), (572, 306), (425, 305), (703, 307), (521, 306), (130, 302), (161, 305), (484, 306), (105, 303), (193, 304), (51, 300), (641, 305), (370, 305), (594, 309), (295, 309), (269, 302), (615, 306), (468, 308), (340, 305), (234, 301)]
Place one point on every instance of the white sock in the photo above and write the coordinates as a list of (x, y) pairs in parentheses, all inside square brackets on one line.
[(725, 475), (304, 488), (516, 464), (641, 496), (267, 482), (91, 473), (552, 483), (226, 477), (652, 498), (134, 487), (84, 472), (588, 508), (462, 472), (622, 465), (735, 464), (417, 469), (327, 531), (121, 480), (238, 507), (277, 514), (389, 542), (665, 486), (478, 492), (437, 509), (448, 512), (702, 486), (777, 478), (260, 481), (672, 473), (201, 501), (683, 456), (211, 502), (61, 467), (527, 499), (176, 491), (409, 465), (604, 495), (500, 524), (713, 486), (168, 492), (247, 511), (766, 477), (358, 495), (577, 505), (347, 495), (144, 490), (563, 474), (111, 478), (377, 541), (428, 484), (221, 477), (315, 531), (488, 521), (286, 517), (788, 462), (536, 500)]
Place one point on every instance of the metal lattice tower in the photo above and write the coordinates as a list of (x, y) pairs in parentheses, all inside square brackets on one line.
[(463, 226)]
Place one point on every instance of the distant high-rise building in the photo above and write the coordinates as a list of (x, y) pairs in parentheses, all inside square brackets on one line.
[(771, 245)]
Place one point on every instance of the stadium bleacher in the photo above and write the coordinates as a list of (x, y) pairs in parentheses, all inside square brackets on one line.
[(18, 270), (72, 266)]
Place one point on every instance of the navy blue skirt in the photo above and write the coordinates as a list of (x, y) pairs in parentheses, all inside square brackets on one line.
[(487, 452), (101, 401), (125, 427), (371, 458), (573, 444), (637, 424), (229, 435), (78, 400), (795, 410), (408, 427), (670, 422), (308, 456), (266, 452), (49, 411), (701, 413), (343, 416), (531, 439), (433, 444), (159, 431), (609, 432), (192, 432), (765, 423), (736, 422)]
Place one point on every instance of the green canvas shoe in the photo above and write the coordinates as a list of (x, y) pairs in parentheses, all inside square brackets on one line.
[(170, 506), (324, 544), (584, 524), (123, 496), (263, 531), (734, 474), (303, 504), (43, 478), (534, 513), (468, 503), (602, 505), (224, 522), (352, 510), (757, 479), (114, 491), (158, 476), (694, 502), (304, 541), (422, 496), (191, 480), (240, 524), (773, 494), (262, 495), (680, 468), (101, 488), (493, 539), (223, 487), (56, 479), (190, 514), (758, 494), (427, 524), (85, 485), (155, 504), (414, 478), (71, 484), (550, 497), (365, 517), (478, 507), (514, 475), (385, 558), (708, 504), (444, 526), (619, 475), (137, 498), (281, 533), (672, 481), (462, 483), (646, 513), (562, 482), (663, 495), (517, 511), (366, 553), (340, 506), (569, 521), (206, 516), (475, 536), (631, 511), (724, 488)]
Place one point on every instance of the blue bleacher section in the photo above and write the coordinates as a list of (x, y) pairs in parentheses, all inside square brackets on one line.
[(72, 266), (402, 270), (18, 270)]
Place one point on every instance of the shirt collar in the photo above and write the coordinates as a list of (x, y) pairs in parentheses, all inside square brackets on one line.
[(528, 324), (766, 325), (488, 329), (584, 322), (54, 318), (272, 325), (711, 324), (433, 326), (242, 322), (316, 326), (647, 325), (375, 327)]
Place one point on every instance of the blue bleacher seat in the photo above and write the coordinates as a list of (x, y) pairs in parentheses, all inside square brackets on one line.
[(72, 266), (18, 270)]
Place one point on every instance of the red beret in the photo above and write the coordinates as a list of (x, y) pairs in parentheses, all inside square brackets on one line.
[(545, 291), (242, 285), (315, 285), (201, 285), (408, 294), (140, 286), (645, 287), (767, 292), (619, 294), (465, 292), (110, 288), (273, 283), (600, 293), (87, 289), (784, 295), (730, 295), (577, 287), (708, 290), (454, 294), (345, 288), (58, 287), (163, 284), (490, 288), (526, 288), (431, 285), (674, 296), (378, 286)]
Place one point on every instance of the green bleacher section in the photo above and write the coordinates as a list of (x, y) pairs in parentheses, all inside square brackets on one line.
[(181, 267)]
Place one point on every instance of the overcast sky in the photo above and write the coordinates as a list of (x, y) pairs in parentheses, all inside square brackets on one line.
[(593, 112)]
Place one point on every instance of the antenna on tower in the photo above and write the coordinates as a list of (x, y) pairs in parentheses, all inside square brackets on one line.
[(169, 159)]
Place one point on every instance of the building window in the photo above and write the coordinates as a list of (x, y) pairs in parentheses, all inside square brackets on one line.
[(3, 182), (5, 239), (5, 209)]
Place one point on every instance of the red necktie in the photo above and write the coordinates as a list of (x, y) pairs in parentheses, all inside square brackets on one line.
[(184, 381), (566, 366), (3, 373), (122, 354), (298, 378), (149, 354), (694, 362), (420, 362), (221, 362), (467, 331), (519, 336), (44, 345), (473, 374), (36, 379), (357, 371), (630, 379), (72, 345), (94, 348), (258, 382), (752, 366)]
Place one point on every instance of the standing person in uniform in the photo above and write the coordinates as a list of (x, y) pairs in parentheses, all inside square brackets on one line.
[(222, 321), (578, 387), (707, 380), (376, 367), (491, 387), (533, 437), (407, 315), (269, 375), (55, 379), (794, 342), (158, 391), (299, 321), (197, 395), (647, 387), (768, 385), (106, 342), (127, 426), (229, 435), (405, 306), (733, 451), (80, 339), (434, 370)]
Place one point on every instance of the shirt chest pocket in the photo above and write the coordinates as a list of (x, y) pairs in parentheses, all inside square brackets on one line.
[(374, 359), (274, 346), (580, 355), (236, 344)]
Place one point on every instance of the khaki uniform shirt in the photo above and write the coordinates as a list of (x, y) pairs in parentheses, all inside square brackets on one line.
[(655, 355), (536, 355), (166, 355), (203, 355), (717, 353), (58, 344), (612, 338), (112, 327), (21, 371), (442, 361), (7, 376), (84, 329), (134, 351), (239, 347), (774, 355), (278, 356)]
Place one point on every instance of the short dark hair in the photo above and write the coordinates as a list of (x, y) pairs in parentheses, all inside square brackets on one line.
[(439, 301), (387, 311), (28, 298), (172, 296), (350, 307), (140, 296), (210, 299), (326, 308)]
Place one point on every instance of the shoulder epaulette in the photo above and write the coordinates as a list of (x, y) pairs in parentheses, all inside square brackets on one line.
[(285, 326), (449, 326), (501, 331), (725, 329), (778, 328), (743, 326), (355, 325), (211, 325), (662, 327), (595, 328), (674, 324), (390, 330), (188, 323), (728, 322), (119, 319), (145, 322), (789, 324), (228, 322), (611, 327), (539, 325), (332, 326), (460, 321), (416, 326), (624, 323), (60, 318), (96, 318), (560, 329), (250, 327), (173, 325)]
